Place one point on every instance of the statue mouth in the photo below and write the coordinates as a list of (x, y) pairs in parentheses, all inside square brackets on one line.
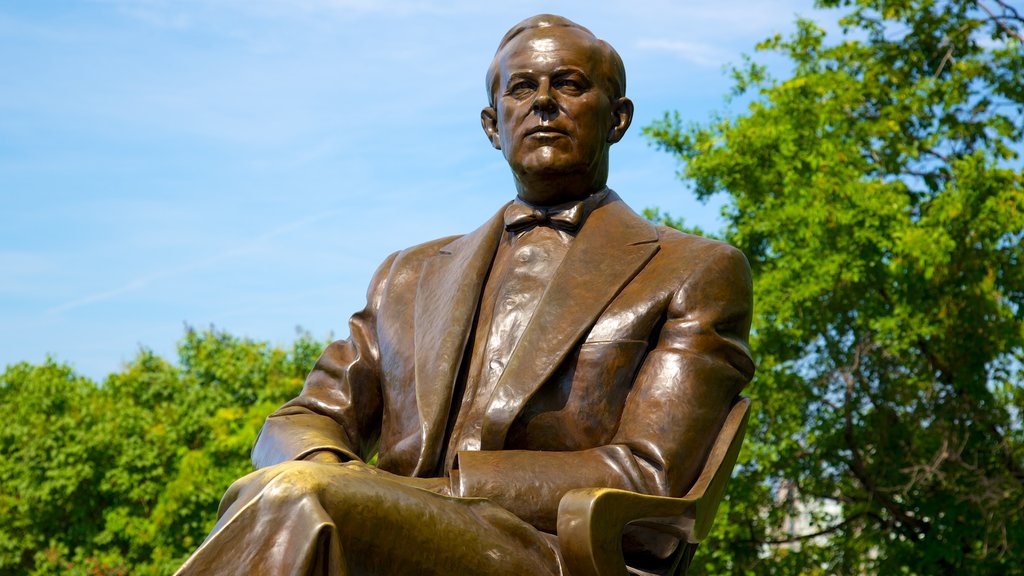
[(544, 130)]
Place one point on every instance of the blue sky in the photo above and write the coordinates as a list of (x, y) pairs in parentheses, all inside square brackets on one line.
[(248, 163)]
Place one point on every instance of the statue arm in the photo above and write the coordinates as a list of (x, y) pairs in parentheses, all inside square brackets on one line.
[(679, 400), (337, 416)]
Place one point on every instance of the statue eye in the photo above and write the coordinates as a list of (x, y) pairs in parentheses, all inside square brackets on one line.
[(570, 85), (519, 88)]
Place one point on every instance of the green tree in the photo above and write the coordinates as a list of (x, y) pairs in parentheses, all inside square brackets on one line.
[(48, 471), (879, 196), (125, 478)]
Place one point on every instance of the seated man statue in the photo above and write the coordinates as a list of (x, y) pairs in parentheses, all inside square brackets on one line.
[(566, 343)]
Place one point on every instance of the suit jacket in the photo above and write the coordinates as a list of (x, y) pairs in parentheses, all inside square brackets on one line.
[(622, 378)]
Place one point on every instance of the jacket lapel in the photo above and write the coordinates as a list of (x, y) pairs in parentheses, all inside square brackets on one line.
[(612, 247), (446, 301)]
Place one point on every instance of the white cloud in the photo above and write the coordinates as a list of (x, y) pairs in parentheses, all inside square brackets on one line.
[(695, 52), (155, 13), (178, 13), (20, 268)]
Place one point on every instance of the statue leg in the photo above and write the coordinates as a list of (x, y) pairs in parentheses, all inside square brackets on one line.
[(308, 518)]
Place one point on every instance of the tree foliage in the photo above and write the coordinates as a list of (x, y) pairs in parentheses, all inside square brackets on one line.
[(124, 478), (879, 195)]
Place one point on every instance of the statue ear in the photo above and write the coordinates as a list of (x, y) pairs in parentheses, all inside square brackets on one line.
[(489, 122), (622, 110)]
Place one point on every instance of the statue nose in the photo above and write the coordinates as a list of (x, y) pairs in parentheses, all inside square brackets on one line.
[(543, 101)]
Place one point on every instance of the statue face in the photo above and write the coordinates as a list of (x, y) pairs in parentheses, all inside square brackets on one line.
[(554, 114)]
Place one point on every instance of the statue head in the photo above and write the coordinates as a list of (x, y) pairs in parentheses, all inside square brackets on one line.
[(556, 105)]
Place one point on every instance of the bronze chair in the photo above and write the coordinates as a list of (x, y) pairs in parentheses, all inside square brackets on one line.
[(591, 520)]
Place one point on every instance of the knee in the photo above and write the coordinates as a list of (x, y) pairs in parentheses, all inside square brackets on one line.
[(299, 483), (289, 481)]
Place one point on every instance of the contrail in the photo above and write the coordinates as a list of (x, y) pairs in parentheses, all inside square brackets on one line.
[(143, 281)]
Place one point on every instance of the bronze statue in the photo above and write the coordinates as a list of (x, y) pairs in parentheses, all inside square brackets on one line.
[(566, 343)]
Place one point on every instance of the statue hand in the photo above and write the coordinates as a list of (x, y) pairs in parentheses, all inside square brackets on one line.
[(323, 456), (436, 485)]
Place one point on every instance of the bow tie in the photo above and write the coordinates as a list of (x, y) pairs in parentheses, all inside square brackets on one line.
[(520, 217)]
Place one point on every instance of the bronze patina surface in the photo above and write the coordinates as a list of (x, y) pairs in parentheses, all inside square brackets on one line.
[(566, 343)]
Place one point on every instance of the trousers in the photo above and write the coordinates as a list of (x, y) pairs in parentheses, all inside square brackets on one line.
[(327, 519)]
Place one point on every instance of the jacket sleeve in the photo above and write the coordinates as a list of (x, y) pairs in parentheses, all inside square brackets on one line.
[(679, 400), (339, 408)]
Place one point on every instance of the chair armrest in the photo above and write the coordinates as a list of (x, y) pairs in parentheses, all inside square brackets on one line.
[(591, 520)]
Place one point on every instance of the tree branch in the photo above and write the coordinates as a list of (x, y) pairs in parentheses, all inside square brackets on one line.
[(859, 470), (934, 361), (1009, 12), (945, 60), (802, 537), (1011, 464), (938, 155), (999, 20)]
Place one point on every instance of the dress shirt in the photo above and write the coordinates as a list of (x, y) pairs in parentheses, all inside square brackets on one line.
[(527, 258)]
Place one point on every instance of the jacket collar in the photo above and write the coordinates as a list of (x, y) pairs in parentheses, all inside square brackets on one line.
[(610, 249)]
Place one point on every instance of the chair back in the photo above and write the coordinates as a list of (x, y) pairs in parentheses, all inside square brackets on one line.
[(709, 488)]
